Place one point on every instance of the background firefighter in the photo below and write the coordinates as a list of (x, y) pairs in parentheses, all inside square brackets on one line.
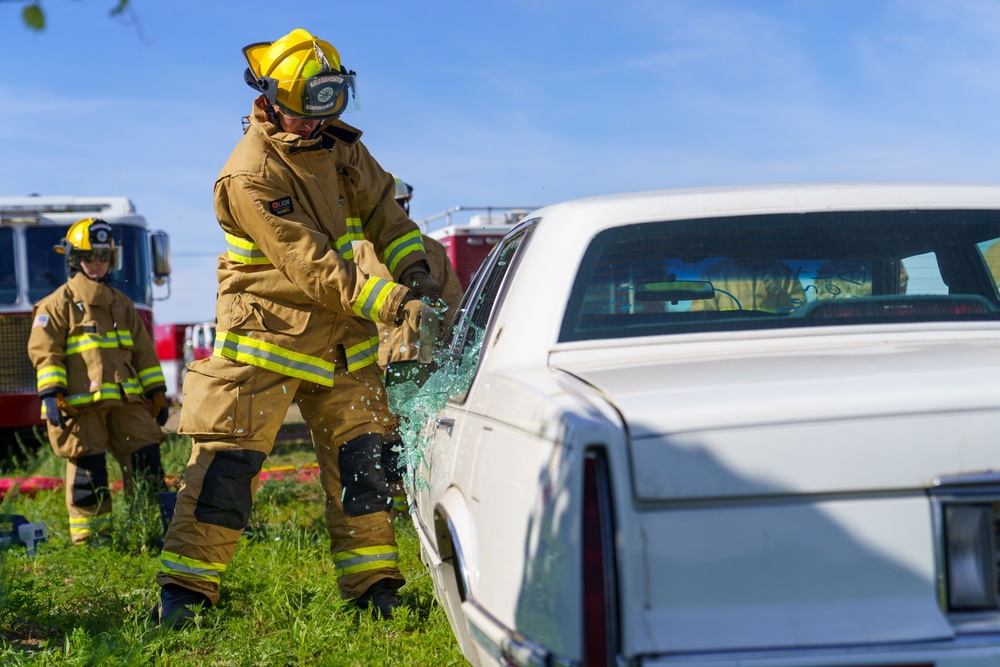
[(95, 362), (398, 345), (296, 320)]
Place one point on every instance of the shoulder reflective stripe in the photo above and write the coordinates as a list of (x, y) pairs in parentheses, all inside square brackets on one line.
[(77, 344), (402, 247), (125, 337), (244, 251), (373, 295), (108, 390), (180, 566), (274, 358), (151, 375), (362, 560), (362, 354), (49, 375)]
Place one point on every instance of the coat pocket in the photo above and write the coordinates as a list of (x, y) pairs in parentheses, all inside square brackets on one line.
[(251, 314), (218, 399)]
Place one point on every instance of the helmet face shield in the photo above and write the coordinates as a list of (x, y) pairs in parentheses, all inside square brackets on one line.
[(325, 95)]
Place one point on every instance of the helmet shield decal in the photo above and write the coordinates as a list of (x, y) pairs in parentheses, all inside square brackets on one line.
[(325, 95), (100, 235)]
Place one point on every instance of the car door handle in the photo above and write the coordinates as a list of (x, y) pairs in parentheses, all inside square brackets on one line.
[(446, 423)]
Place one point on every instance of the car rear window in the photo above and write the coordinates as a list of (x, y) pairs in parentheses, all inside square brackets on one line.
[(787, 270)]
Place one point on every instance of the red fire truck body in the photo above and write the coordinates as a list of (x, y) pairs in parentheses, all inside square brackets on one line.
[(29, 269), (179, 344), (468, 242)]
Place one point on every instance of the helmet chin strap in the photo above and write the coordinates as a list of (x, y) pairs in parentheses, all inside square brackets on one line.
[(272, 114)]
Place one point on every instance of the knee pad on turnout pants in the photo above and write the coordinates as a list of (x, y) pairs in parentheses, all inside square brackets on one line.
[(90, 482), (362, 476)]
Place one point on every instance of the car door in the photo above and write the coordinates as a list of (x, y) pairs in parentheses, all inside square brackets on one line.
[(448, 440)]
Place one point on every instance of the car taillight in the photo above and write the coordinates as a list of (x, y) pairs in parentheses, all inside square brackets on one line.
[(970, 556), (599, 580)]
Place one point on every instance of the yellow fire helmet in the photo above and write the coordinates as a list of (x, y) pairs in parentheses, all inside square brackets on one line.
[(301, 75), (88, 240)]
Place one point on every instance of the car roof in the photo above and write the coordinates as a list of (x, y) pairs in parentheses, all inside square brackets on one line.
[(681, 203)]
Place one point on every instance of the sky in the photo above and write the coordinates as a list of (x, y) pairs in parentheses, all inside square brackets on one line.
[(503, 103)]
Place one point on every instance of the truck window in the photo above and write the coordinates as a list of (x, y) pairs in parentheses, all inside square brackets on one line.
[(47, 268), (8, 278)]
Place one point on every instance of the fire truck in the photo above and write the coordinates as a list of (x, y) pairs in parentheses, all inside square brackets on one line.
[(469, 238), (29, 269), (179, 344)]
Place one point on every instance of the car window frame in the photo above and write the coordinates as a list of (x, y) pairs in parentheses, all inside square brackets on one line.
[(490, 276)]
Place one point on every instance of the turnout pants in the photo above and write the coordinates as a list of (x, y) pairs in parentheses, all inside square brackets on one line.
[(123, 428), (233, 411)]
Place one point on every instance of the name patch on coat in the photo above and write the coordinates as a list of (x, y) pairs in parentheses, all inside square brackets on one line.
[(281, 206)]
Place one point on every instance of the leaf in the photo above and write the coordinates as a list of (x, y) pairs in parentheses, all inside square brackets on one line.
[(34, 17)]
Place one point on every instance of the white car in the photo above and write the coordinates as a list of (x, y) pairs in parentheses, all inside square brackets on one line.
[(749, 426)]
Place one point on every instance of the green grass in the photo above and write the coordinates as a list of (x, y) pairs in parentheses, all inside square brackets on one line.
[(279, 603)]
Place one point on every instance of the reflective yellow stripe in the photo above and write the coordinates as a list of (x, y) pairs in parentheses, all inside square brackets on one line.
[(51, 375), (132, 387), (244, 251), (400, 505), (77, 344), (151, 375), (124, 337), (344, 244), (365, 559), (84, 526), (402, 247), (108, 390), (179, 566), (273, 357), (373, 295), (363, 354)]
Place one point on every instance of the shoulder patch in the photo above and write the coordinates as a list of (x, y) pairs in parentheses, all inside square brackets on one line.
[(281, 206), (40, 321)]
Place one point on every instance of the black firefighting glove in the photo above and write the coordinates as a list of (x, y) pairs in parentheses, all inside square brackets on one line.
[(409, 313), (159, 408), (57, 410), (417, 277)]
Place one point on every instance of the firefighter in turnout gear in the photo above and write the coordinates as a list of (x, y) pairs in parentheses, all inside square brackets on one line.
[(296, 321), (398, 345), (96, 364)]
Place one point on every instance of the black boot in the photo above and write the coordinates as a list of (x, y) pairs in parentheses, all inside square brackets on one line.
[(175, 608), (380, 598)]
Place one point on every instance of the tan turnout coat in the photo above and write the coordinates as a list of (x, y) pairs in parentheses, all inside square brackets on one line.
[(289, 290)]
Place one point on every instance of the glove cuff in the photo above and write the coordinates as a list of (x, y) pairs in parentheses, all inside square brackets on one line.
[(157, 390), (51, 392), (420, 266), (401, 311)]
